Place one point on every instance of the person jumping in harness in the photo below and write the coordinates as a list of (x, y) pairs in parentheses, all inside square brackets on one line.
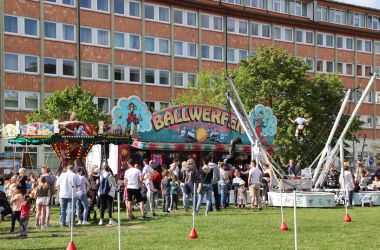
[(301, 125), (231, 157)]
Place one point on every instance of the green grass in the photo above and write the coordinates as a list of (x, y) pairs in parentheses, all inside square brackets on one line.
[(229, 229)]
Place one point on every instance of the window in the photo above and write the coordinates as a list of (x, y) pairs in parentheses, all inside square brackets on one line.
[(298, 8), (30, 27), (186, 18), (211, 22), (103, 71), (237, 26), (303, 36), (373, 22), (178, 79), (337, 16), (310, 63), (85, 35), (259, 4), (68, 68), (119, 40), (102, 5), (119, 7), (50, 30), (134, 9), (325, 66), (11, 99), (235, 55), (230, 55), (377, 47), (212, 52), (364, 45), (86, 69), (119, 73), (156, 13), (278, 6), (261, 30), (68, 32), (325, 40), (63, 2), (218, 53), (85, 4), (344, 68), (134, 42), (10, 24), (103, 104), (11, 62), (103, 37), (21, 26), (283, 34), (31, 64), (363, 70), (183, 79), (356, 19), (164, 77), (321, 14), (157, 45), (149, 76), (134, 75), (50, 66), (31, 100), (185, 49)]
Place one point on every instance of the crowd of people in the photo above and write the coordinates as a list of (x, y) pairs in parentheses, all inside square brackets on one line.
[(142, 185)]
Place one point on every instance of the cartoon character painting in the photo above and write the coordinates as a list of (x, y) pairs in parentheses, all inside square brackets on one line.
[(265, 123)]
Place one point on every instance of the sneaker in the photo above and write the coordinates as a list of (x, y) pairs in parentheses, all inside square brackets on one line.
[(86, 223), (154, 214), (112, 222), (145, 217), (79, 222), (100, 222)]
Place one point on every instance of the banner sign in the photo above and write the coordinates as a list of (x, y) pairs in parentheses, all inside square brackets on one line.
[(37, 129)]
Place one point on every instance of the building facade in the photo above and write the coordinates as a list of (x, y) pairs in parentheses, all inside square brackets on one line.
[(154, 49)]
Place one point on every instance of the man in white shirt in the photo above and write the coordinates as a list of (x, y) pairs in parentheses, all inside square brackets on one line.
[(254, 179), (133, 179), (67, 182), (147, 170)]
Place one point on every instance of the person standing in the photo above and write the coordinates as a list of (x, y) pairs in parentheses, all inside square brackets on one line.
[(165, 190), (191, 176), (42, 194), (50, 180), (205, 187), (133, 180), (66, 182), (94, 182), (347, 182), (236, 184), (21, 180), (223, 184), (268, 180), (16, 200), (107, 191), (292, 172), (215, 181), (82, 199), (147, 179), (24, 216), (254, 179)]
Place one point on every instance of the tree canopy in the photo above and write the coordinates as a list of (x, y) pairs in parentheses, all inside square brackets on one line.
[(281, 81), (62, 104)]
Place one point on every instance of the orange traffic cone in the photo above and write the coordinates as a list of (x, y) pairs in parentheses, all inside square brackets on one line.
[(347, 218), (283, 226), (71, 246), (193, 234)]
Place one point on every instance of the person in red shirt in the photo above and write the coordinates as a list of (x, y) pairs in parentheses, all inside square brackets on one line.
[(24, 217)]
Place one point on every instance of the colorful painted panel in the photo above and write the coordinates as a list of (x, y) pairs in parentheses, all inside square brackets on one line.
[(194, 124), (37, 129), (265, 123), (10, 131), (78, 129), (132, 113)]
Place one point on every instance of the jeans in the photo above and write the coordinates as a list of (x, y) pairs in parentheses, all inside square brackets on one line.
[(223, 194), (106, 201), (206, 191), (189, 189), (152, 198), (350, 197), (15, 216), (215, 189), (82, 200), (24, 221), (173, 201), (66, 210)]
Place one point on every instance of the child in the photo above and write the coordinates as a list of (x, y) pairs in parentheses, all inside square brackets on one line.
[(152, 193), (242, 194), (174, 188), (42, 194), (165, 189), (16, 200), (24, 217), (236, 185)]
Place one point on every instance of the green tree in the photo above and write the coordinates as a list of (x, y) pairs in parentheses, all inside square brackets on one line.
[(281, 81), (208, 89), (62, 104)]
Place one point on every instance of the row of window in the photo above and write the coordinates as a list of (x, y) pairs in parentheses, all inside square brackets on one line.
[(29, 64), (370, 121), (342, 68), (21, 100)]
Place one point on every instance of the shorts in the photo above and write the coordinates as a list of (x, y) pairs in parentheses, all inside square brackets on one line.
[(134, 194), (43, 201), (300, 127)]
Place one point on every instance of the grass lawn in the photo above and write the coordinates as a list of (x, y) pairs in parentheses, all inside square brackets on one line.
[(229, 229)]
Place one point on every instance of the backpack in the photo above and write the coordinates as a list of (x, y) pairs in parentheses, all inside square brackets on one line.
[(105, 186)]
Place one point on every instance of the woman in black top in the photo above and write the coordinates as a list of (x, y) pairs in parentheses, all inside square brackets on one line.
[(205, 188)]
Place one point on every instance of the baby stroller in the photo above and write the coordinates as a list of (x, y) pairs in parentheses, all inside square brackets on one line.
[(5, 209)]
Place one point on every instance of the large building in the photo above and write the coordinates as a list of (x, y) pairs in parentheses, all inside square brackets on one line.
[(154, 49)]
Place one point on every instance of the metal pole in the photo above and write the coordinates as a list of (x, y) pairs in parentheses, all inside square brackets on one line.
[(327, 145), (194, 205), (72, 212), (282, 208), (118, 217), (295, 219), (344, 179), (346, 128)]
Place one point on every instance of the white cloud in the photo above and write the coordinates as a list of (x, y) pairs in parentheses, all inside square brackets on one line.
[(367, 3)]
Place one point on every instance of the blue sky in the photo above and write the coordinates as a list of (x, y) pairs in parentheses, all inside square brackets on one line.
[(367, 3)]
